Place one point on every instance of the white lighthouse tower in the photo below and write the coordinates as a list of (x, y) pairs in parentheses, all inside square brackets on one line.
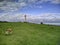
[(25, 16)]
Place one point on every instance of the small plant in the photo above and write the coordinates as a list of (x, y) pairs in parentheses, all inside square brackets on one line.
[(8, 31)]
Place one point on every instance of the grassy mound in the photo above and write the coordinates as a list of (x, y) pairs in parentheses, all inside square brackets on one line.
[(29, 34)]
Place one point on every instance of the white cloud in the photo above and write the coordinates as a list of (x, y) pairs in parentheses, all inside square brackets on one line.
[(56, 1), (23, 4), (42, 1), (11, 6), (32, 18)]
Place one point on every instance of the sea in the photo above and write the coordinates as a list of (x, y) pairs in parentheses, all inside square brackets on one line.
[(58, 24)]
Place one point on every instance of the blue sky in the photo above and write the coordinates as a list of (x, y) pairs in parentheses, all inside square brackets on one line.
[(30, 7), (42, 8)]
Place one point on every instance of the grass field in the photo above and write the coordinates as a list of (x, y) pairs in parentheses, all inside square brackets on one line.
[(29, 34)]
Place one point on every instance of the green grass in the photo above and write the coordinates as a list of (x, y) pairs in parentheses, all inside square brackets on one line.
[(29, 34)]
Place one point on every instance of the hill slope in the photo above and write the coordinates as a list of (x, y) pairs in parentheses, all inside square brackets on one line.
[(29, 34)]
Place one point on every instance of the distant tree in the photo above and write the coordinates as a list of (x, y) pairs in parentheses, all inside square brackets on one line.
[(2, 21), (41, 23)]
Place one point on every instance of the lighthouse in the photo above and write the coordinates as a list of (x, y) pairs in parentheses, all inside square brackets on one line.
[(25, 16)]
